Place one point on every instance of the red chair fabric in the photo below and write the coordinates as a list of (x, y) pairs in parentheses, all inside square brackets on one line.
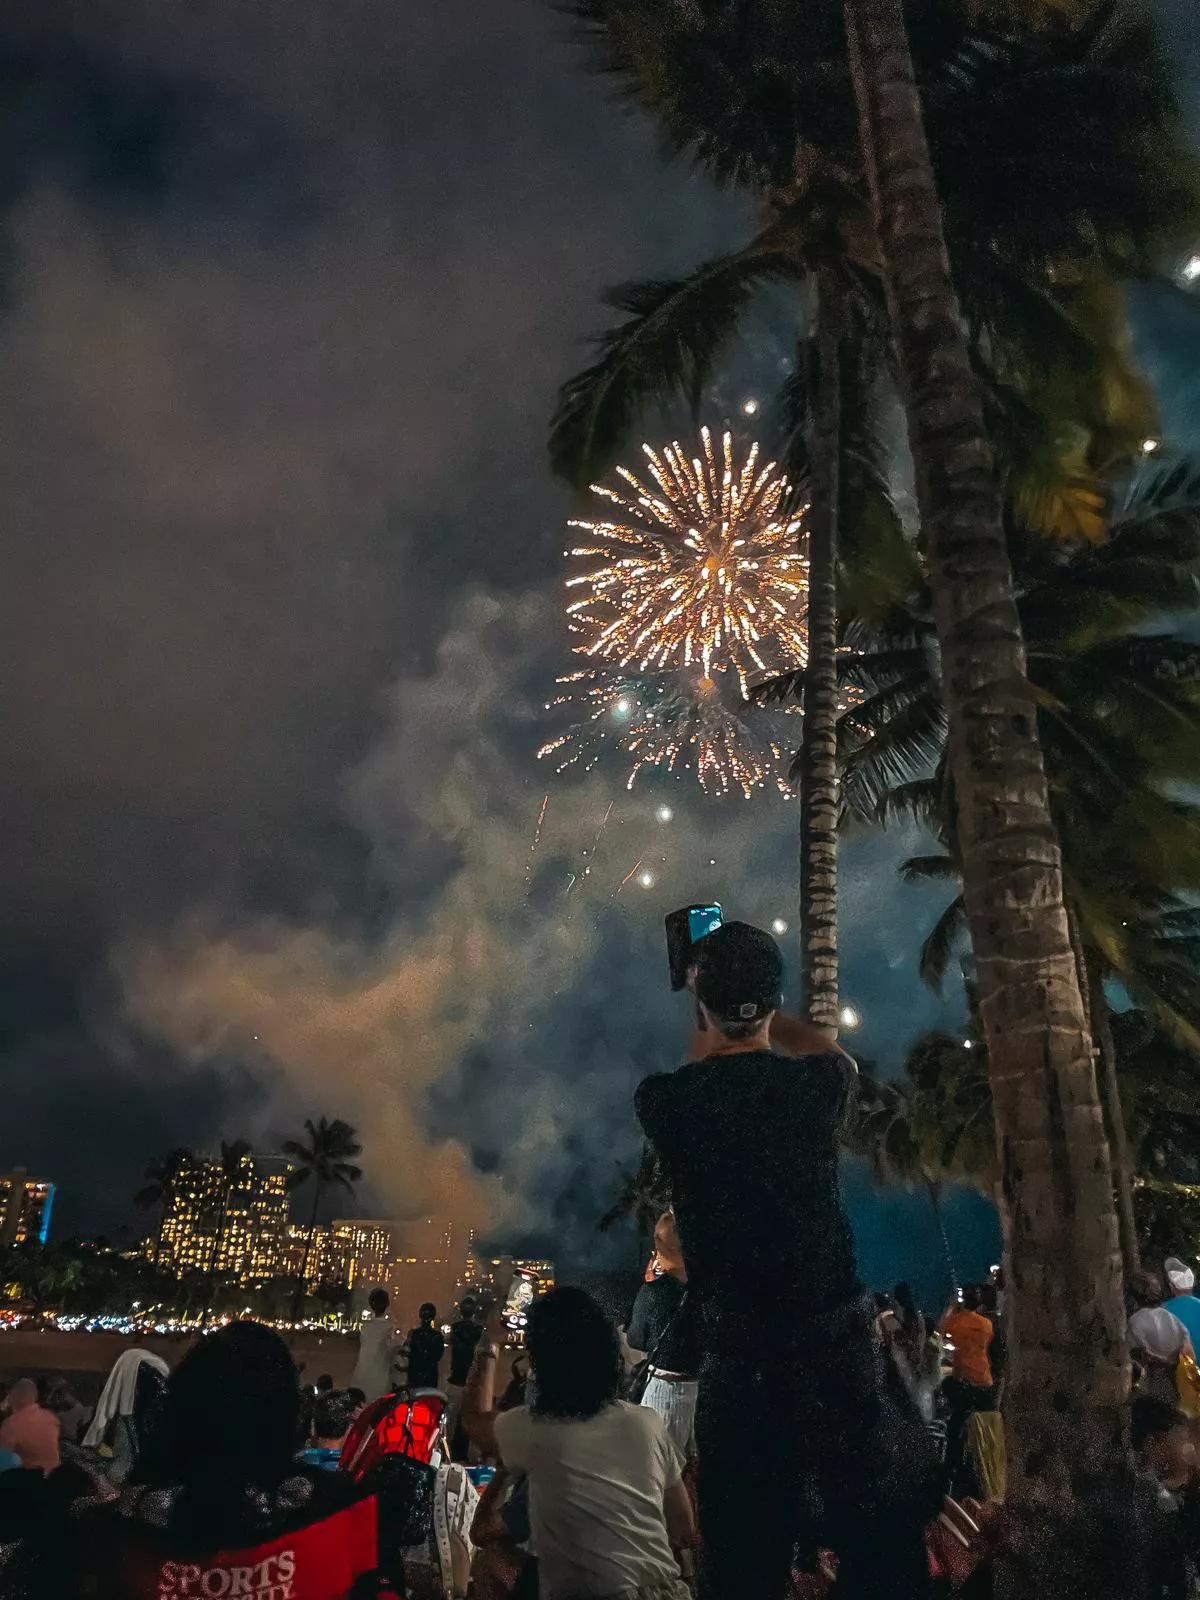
[(329, 1560), (393, 1426)]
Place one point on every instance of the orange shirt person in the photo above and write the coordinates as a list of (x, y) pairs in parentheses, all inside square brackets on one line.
[(971, 1333)]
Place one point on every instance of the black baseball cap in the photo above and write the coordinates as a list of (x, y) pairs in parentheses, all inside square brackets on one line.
[(739, 972)]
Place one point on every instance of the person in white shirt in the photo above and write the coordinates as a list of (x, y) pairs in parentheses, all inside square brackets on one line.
[(607, 1507), (376, 1346)]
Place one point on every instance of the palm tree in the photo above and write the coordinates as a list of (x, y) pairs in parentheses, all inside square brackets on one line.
[(1119, 723), (234, 1155), (325, 1158), (161, 1178), (757, 95), (932, 1126), (1070, 1371), (643, 1196)]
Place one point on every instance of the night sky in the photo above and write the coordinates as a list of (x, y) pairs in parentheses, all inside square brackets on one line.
[(287, 292)]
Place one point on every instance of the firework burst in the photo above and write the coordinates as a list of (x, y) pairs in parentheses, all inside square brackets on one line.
[(701, 569), (681, 720)]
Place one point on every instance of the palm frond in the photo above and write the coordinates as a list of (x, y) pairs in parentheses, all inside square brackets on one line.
[(929, 869), (939, 944), (909, 746), (663, 352)]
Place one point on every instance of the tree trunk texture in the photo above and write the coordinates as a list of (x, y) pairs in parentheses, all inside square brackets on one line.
[(1069, 1368), (818, 765), (935, 1200), (1115, 1115)]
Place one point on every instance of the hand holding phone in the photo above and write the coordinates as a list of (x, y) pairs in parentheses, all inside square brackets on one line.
[(685, 929)]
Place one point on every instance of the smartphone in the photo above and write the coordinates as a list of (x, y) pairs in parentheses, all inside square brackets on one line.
[(685, 929), (520, 1297)]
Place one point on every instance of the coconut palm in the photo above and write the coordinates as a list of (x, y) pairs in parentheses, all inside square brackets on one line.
[(758, 95), (161, 1178), (930, 1126), (324, 1158), (1119, 723), (644, 1194)]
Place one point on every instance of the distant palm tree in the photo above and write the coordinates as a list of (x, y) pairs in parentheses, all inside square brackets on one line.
[(643, 1197), (234, 1154), (327, 1159), (161, 1178), (930, 1126)]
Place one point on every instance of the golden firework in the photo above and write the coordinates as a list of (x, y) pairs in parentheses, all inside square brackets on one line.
[(674, 721), (702, 568)]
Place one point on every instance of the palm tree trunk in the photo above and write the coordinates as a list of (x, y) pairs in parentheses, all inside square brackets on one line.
[(1115, 1116), (934, 1190), (302, 1284), (818, 765), (1069, 1373)]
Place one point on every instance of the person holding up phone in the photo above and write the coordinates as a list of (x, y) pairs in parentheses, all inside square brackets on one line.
[(793, 1393)]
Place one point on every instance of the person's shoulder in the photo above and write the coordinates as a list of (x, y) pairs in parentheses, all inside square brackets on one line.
[(639, 1420), (654, 1089), (512, 1433)]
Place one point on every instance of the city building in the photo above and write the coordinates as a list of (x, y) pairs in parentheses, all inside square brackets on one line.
[(356, 1253), (25, 1207), (480, 1273), (360, 1255), (306, 1250), (234, 1224)]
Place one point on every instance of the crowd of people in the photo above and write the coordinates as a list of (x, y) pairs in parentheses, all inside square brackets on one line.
[(759, 1425)]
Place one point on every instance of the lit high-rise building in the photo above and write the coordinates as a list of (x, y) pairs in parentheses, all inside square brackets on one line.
[(306, 1250), (25, 1207), (360, 1254), (234, 1225)]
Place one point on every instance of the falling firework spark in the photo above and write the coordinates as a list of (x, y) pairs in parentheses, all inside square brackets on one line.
[(537, 831), (677, 720), (702, 570)]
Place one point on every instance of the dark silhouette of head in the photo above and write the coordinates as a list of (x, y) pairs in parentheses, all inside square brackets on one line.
[(325, 1383), (378, 1301), (972, 1297), (428, 1314), (229, 1419), (332, 1419), (575, 1355)]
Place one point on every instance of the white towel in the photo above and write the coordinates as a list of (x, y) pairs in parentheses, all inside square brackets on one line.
[(1179, 1275), (120, 1388)]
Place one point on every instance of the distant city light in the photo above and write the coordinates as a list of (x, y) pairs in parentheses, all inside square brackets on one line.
[(750, 407), (1149, 446), (622, 707), (779, 926), (849, 1017), (968, 1044), (1190, 270), (664, 813), (646, 879)]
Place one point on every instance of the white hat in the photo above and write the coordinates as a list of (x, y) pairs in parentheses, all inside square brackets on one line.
[(1179, 1275)]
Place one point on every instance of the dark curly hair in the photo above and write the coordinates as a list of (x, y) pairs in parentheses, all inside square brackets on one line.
[(575, 1353), (229, 1420)]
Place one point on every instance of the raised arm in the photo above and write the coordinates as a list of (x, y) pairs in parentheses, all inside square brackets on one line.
[(479, 1396)]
